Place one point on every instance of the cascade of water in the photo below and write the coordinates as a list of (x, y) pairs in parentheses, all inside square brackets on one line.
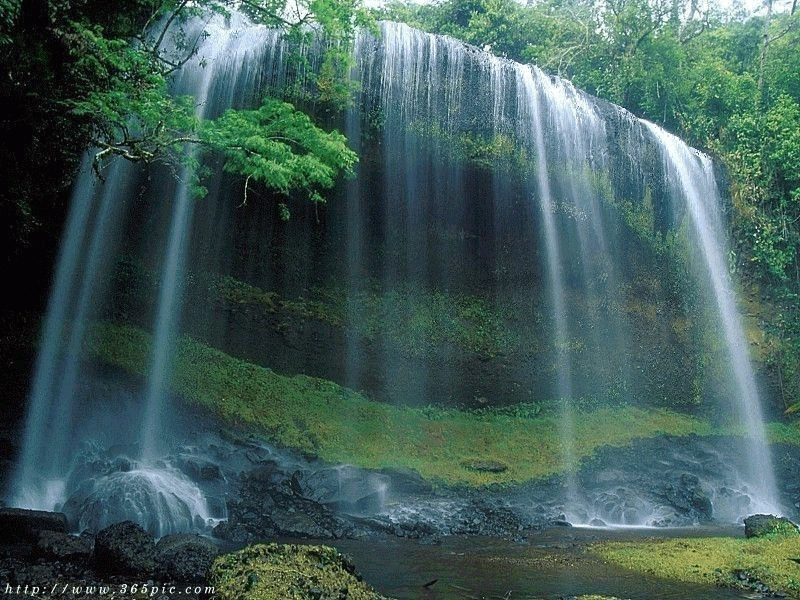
[(691, 175), (94, 211), (454, 213), (90, 239), (530, 116), (221, 53)]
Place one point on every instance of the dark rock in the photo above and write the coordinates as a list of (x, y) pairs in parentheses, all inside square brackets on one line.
[(22, 525), (346, 488), (267, 472), (761, 525), (185, 557), (687, 495), (125, 549), (407, 481), (483, 465), (56, 545), (314, 522), (197, 468)]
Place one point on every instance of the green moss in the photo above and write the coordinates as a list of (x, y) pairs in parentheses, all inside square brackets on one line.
[(238, 292), (723, 561), (320, 418), (784, 433), (287, 572), (498, 151), (413, 321)]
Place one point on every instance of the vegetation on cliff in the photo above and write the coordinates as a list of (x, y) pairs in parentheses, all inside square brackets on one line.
[(96, 73), (322, 419)]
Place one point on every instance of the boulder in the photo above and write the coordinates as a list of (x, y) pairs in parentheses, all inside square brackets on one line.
[(125, 549), (289, 571), (761, 525), (185, 557), (63, 547), (23, 525), (197, 468)]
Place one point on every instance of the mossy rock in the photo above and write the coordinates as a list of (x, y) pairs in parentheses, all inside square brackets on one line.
[(767, 564), (764, 525), (288, 572)]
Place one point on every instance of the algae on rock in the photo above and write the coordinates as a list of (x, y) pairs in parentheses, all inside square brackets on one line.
[(286, 572)]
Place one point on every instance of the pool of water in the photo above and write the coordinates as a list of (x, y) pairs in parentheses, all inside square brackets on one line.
[(546, 566)]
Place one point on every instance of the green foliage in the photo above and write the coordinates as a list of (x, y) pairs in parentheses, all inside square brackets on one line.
[(9, 9), (278, 145), (116, 68), (133, 116), (496, 152)]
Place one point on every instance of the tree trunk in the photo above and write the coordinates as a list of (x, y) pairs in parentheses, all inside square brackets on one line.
[(763, 57)]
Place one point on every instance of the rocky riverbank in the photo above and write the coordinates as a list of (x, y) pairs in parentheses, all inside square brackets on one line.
[(39, 559)]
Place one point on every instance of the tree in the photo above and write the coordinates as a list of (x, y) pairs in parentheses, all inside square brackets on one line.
[(106, 69), (130, 114)]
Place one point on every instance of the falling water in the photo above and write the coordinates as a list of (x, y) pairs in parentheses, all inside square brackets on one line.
[(81, 280), (532, 115), (691, 174), (195, 80), (94, 213), (478, 176)]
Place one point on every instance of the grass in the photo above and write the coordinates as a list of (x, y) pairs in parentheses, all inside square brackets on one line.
[(721, 561), (320, 418)]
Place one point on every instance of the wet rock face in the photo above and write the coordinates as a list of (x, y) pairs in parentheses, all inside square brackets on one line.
[(666, 481), (272, 503)]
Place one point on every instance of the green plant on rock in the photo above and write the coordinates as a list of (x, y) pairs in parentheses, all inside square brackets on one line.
[(322, 419)]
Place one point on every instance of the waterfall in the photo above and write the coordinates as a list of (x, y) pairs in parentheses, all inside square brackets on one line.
[(692, 176), (479, 178)]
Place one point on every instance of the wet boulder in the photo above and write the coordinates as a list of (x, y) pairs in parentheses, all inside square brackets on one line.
[(198, 469), (23, 525), (761, 525), (185, 557), (125, 549), (63, 547)]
